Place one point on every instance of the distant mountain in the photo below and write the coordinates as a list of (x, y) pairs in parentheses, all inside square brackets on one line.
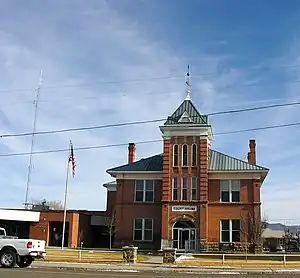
[(281, 227)]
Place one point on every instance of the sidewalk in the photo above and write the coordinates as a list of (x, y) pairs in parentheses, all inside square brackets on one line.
[(158, 267)]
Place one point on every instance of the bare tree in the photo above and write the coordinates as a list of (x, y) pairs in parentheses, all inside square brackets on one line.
[(80, 238), (53, 205), (111, 227), (290, 237), (253, 227)]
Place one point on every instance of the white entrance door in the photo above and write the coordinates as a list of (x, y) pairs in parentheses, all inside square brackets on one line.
[(184, 238)]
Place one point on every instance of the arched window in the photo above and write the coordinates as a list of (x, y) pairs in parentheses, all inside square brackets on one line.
[(184, 155), (175, 155), (194, 155)]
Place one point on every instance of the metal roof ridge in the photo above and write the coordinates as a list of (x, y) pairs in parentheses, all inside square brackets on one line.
[(239, 159)]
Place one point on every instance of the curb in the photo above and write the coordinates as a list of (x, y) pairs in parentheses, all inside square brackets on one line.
[(159, 268)]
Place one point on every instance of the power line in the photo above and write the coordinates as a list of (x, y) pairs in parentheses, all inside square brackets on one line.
[(123, 94), (255, 108), (258, 128), (82, 148), (150, 78), (81, 128), (144, 142), (147, 121)]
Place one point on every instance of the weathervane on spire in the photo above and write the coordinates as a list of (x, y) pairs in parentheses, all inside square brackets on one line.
[(188, 86)]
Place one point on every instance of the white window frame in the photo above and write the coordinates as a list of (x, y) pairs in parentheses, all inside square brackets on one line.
[(230, 189), (192, 152), (143, 229), (187, 155), (187, 188), (194, 188), (173, 188), (144, 191), (175, 145), (230, 230)]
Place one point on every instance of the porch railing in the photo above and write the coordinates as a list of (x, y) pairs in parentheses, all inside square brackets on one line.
[(201, 246)]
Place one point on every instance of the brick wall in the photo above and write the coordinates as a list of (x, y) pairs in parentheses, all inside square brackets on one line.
[(41, 231), (111, 201), (127, 210)]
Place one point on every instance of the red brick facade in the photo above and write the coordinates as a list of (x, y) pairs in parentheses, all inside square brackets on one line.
[(198, 199), (208, 213), (41, 229)]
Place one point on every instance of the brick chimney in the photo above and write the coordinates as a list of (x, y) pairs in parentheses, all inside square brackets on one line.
[(131, 153), (252, 153)]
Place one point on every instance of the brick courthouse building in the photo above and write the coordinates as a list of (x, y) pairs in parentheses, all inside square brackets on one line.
[(188, 194)]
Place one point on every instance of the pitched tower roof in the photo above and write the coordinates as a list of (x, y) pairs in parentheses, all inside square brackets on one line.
[(187, 113)]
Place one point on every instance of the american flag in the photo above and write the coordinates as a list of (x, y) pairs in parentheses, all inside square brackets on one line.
[(72, 159)]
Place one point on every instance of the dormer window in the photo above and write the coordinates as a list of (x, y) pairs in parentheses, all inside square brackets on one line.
[(175, 155), (185, 155), (194, 155), (185, 118)]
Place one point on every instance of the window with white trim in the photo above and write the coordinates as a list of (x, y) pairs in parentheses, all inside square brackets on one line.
[(184, 189), (194, 155), (230, 190), (175, 189), (230, 230), (194, 188), (144, 190), (185, 155), (143, 229), (175, 155)]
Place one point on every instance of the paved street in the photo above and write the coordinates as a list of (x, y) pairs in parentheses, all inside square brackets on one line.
[(37, 273)]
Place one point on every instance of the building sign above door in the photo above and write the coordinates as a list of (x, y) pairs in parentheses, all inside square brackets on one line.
[(184, 208)]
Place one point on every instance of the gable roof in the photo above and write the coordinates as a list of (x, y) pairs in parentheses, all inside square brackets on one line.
[(149, 164), (190, 112), (217, 162)]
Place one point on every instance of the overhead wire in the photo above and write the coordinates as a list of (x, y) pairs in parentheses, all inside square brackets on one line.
[(147, 121), (141, 142), (126, 94), (153, 78)]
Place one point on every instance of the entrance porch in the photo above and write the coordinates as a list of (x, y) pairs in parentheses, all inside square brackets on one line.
[(184, 235)]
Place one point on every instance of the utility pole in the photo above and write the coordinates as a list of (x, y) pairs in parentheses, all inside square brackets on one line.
[(35, 103)]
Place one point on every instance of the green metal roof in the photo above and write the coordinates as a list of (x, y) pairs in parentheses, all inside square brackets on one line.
[(217, 162), (222, 162), (153, 164), (187, 108)]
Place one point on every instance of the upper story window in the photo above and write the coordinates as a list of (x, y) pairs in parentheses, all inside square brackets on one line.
[(144, 190), (175, 189), (194, 188), (175, 155), (230, 190), (143, 229), (230, 230), (194, 155), (184, 189), (185, 155)]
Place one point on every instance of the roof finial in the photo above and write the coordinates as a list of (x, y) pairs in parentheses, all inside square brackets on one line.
[(188, 86)]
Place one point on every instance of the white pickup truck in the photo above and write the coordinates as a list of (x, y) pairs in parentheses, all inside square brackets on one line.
[(20, 252)]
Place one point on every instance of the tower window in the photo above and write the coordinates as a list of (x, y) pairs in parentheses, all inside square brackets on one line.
[(184, 189), (194, 155), (184, 155), (175, 155), (175, 189)]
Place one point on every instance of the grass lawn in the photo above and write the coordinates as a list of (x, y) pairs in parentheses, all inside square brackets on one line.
[(86, 256), (244, 263)]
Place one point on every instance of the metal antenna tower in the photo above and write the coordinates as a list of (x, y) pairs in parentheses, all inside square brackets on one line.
[(35, 103)]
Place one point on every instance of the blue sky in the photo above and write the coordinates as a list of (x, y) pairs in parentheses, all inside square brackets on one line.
[(244, 44)]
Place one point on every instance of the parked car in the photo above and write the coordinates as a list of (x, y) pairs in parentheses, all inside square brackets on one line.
[(279, 248), (20, 252)]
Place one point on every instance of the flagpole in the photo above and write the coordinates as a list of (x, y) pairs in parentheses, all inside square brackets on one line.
[(65, 203)]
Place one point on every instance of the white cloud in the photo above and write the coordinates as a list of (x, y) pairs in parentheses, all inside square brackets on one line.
[(91, 43)]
